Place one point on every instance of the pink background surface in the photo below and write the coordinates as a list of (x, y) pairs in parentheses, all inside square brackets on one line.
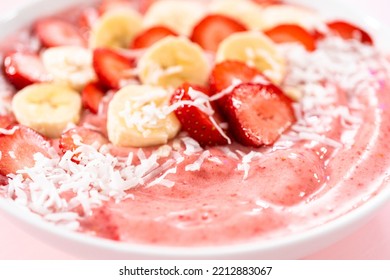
[(372, 241)]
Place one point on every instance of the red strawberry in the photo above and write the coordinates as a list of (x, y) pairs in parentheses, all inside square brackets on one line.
[(230, 73), (349, 31), (86, 136), (258, 114), (7, 121), (88, 17), (290, 33), (151, 36), (23, 69), (112, 68), (17, 149), (196, 122), (91, 96), (56, 32), (212, 29)]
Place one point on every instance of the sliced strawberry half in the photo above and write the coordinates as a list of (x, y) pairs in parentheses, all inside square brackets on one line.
[(228, 74), (196, 122), (92, 95), (151, 36), (17, 149), (258, 114), (349, 31), (54, 32), (112, 68), (24, 68), (292, 33), (212, 29), (69, 140)]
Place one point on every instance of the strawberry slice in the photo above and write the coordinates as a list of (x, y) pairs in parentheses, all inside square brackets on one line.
[(7, 121), (24, 68), (88, 17), (228, 74), (349, 31), (258, 114), (56, 32), (84, 135), (112, 68), (91, 96), (292, 33), (151, 36), (212, 29), (17, 149), (194, 121)]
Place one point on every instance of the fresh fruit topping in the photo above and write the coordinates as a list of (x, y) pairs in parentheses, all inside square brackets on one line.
[(88, 17), (113, 69), (47, 108), (56, 32), (91, 96), (172, 61), (258, 114), (151, 36), (179, 16), (137, 117), (7, 121), (24, 68), (69, 65), (256, 50), (197, 117), (73, 138), (213, 29), (291, 33), (349, 31), (17, 149), (115, 29)]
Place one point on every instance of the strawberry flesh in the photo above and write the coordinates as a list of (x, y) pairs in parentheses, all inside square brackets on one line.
[(91, 96), (112, 68), (151, 36), (349, 31), (196, 122), (17, 149), (292, 33), (24, 68), (56, 32), (212, 29), (258, 114)]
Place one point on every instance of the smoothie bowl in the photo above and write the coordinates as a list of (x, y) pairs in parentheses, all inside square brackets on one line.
[(192, 129)]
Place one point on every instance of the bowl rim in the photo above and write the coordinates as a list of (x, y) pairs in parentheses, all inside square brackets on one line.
[(365, 210)]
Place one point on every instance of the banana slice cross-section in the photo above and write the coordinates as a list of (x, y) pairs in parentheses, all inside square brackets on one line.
[(47, 108), (69, 65), (137, 118), (178, 15), (172, 61), (255, 49), (115, 29)]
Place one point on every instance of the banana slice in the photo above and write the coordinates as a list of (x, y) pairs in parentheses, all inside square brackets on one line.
[(172, 61), (136, 117), (178, 15), (69, 65), (274, 15), (245, 11), (255, 49), (47, 108), (115, 29)]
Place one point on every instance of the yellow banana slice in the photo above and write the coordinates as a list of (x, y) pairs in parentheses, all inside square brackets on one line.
[(172, 61), (274, 15), (244, 11), (255, 49), (136, 117), (178, 15), (47, 108), (69, 65), (115, 29)]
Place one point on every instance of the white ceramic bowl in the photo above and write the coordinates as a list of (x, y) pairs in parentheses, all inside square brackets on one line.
[(291, 247)]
